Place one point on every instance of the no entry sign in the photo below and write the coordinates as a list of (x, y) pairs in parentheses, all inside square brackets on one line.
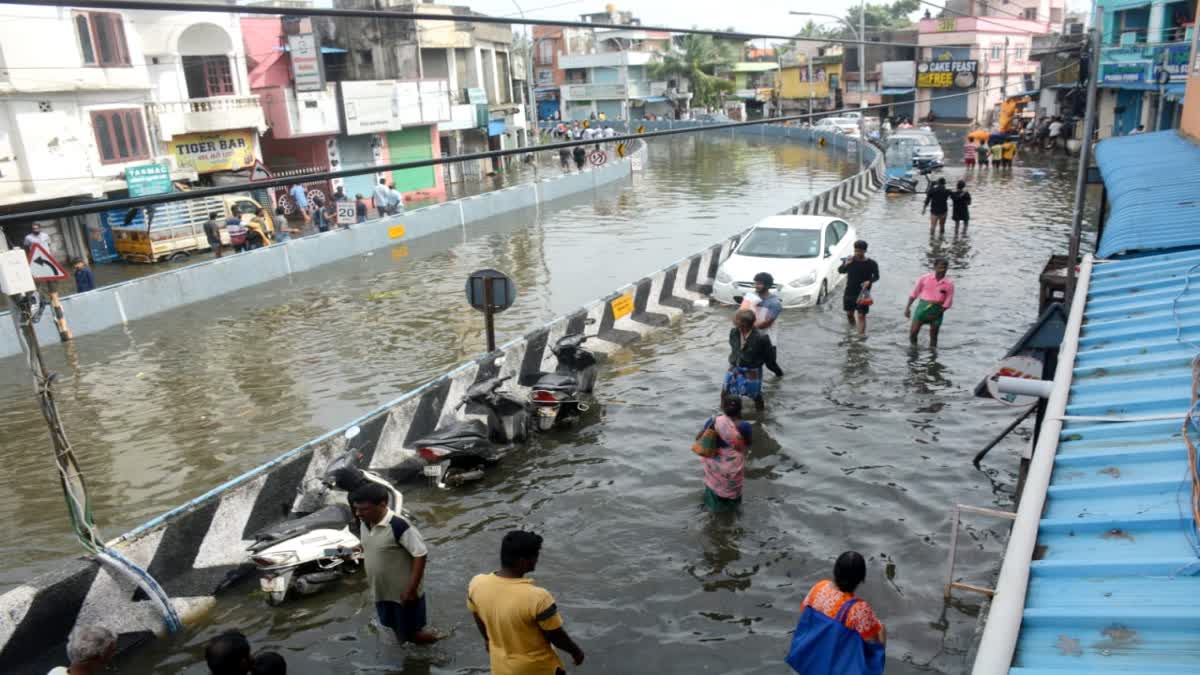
[(597, 158)]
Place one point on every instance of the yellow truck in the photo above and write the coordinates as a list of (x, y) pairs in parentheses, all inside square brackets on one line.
[(176, 229)]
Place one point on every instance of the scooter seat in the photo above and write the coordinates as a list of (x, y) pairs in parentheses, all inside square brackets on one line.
[(556, 382), (455, 433), (333, 517)]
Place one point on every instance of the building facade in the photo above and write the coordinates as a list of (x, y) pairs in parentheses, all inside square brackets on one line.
[(120, 90), (1143, 64)]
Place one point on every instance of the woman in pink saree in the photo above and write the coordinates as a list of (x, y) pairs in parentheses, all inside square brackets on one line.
[(725, 471)]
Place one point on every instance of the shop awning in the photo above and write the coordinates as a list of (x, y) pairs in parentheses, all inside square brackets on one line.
[(1150, 178), (654, 99), (324, 49), (895, 92)]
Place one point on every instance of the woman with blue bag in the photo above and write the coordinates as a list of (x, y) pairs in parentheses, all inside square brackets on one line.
[(838, 633)]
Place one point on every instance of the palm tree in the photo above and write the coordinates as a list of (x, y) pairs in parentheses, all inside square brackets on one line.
[(700, 57)]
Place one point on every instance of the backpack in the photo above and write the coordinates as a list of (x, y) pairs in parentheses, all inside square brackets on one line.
[(825, 646)]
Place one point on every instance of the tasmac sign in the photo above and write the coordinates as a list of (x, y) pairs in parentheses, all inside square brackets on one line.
[(947, 74)]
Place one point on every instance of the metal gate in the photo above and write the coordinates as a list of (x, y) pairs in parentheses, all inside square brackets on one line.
[(950, 103)]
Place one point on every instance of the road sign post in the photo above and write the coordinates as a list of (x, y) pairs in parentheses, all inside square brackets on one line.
[(44, 268), (347, 213), (490, 292)]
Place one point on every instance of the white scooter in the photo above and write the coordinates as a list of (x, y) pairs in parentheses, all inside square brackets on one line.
[(310, 553)]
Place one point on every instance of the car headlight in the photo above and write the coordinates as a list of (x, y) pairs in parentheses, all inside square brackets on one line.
[(805, 280), (723, 276)]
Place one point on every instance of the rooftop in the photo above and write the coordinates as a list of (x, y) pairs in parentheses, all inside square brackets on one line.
[(1113, 584), (1150, 178)]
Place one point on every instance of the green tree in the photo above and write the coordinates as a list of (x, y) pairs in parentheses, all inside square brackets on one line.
[(881, 17), (697, 61)]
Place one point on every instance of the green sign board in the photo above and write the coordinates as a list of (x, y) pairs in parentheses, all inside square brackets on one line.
[(148, 179), (476, 96)]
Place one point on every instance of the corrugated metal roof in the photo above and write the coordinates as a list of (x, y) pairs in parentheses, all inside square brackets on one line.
[(1115, 586), (1153, 183)]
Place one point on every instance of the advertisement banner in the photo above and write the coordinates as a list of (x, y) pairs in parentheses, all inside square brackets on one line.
[(148, 179), (370, 106), (899, 74), (217, 151), (1125, 72), (949, 74), (305, 51)]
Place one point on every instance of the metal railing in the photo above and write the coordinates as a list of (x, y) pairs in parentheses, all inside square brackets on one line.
[(211, 104)]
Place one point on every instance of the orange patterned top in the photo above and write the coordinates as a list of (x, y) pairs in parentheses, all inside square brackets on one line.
[(827, 598)]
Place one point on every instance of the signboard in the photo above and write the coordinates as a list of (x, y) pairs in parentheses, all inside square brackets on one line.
[(622, 306), (495, 127), (435, 101), (1177, 61), (304, 49), (43, 266), (578, 92), (947, 24), (948, 74), (347, 213), (1123, 72), (370, 106), (899, 74), (1024, 367), (148, 179), (217, 151), (597, 158), (476, 96), (504, 291)]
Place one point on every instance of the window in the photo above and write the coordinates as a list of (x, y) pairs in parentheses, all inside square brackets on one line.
[(102, 39), (1056, 15), (207, 76), (546, 52), (545, 76), (120, 135), (765, 242), (831, 239), (841, 228), (1018, 53), (1030, 13), (997, 52)]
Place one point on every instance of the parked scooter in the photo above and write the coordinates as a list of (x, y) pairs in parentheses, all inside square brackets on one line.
[(462, 451), (556, 396), (316, 550)]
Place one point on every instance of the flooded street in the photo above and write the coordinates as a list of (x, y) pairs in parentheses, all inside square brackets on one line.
[(866, 444)]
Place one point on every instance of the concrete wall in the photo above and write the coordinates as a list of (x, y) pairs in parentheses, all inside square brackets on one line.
[(115, 305), (192, 549)]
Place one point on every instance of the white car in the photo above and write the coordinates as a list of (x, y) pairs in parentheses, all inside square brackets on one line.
[(844, 125), (802, 253)]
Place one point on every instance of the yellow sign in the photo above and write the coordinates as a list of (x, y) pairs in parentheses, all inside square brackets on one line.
[(400, 252), (947, 24), (935, 80), (821, 141), (620, 149), (622, 305), (218, 151), (395, 232), (641, 129)]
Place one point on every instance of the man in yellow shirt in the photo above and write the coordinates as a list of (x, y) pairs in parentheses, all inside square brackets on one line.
[(519, 622), (1008, 153)]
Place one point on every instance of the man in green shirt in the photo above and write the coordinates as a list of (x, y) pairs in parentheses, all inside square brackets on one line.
[(394, 553)]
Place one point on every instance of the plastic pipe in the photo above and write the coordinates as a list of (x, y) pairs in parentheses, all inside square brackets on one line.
[(999, 641), (1024, 386)]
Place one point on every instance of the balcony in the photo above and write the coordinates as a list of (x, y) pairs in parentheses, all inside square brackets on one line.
[(201, 115), (606, 91), (604, 60), (292, 114)]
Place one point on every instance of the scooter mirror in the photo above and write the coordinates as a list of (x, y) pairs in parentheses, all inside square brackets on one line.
[(352, 433)]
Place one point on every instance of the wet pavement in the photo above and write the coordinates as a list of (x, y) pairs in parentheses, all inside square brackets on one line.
[(866, 443)]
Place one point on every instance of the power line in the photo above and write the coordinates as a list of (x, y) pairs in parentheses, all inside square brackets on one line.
[(136, 202), (160, 5)]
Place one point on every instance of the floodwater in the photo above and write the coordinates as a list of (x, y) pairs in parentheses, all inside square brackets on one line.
[(866, 444)]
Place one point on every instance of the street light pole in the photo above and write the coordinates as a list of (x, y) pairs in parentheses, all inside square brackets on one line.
[(860, 36)]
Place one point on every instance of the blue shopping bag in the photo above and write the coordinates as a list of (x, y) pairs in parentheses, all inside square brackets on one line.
[(825, 646)]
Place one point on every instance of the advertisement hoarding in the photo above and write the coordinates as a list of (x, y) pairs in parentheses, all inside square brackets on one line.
[(304, 50), (899, 74), (947, 74)]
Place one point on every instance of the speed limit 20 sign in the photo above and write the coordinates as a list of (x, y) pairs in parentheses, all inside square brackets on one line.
[(347, 213)]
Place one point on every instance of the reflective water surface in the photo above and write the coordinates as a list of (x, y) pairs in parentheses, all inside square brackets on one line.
[(866, 444)]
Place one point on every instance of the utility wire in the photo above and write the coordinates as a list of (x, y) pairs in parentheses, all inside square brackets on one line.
[(136, 202), (160, 5)]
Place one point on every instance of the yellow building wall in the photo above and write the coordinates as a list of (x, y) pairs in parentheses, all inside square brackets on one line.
[(793, 85)]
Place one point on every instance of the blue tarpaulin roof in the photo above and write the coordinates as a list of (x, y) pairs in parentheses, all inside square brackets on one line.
[(895, 92), (1153, 184)]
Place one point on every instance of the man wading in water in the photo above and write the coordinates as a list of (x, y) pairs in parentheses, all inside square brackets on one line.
[(934, 293), (936, 201), (861, 273), (749, 351)]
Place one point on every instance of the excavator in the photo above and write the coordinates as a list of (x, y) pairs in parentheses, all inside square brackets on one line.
[(1010, 121)]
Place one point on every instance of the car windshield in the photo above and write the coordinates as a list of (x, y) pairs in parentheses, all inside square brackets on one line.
[(919, 139), (778, 243)]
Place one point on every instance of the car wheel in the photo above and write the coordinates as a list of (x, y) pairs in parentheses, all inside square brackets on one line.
[(823, 293)]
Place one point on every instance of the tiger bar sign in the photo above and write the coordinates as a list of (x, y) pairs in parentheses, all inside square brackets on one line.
[(947, 74), (221, 151)]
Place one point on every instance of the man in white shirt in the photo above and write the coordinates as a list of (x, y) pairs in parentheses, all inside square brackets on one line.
[(36, 236), (767, 307), (381, 198), (609, 132)]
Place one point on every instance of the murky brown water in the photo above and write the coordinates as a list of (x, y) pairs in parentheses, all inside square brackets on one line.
[(866, 444)]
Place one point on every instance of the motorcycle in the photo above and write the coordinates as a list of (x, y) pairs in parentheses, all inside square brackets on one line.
[(556, 396), (463, 450), (314, 551)]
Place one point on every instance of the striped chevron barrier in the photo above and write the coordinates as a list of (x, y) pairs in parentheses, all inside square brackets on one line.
[(194, 549)]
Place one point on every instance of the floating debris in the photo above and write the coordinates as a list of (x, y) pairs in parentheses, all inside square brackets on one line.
[(1117, 533)]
